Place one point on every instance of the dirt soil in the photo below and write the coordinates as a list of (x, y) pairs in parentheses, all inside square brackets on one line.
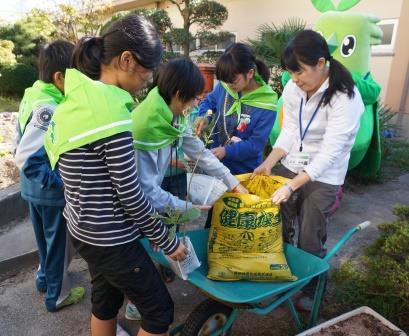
[(358, 325), (8, 171)]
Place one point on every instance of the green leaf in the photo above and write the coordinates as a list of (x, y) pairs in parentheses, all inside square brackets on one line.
[(190, 214), (327, 5), (346, 4), (272, 40), (175, 217), (323, 5)]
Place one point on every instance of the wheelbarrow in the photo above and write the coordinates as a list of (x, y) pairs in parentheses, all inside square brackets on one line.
[(215, 316)]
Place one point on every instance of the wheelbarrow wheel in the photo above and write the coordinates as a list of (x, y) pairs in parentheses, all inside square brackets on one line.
[(206, 318)]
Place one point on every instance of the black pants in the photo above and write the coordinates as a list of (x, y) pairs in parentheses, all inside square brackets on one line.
[(310, 206), (127, 270)]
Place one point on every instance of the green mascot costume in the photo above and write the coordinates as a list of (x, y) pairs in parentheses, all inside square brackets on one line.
[(350, 37)]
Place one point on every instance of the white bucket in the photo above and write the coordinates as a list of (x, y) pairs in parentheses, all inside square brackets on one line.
[(204, 189), (183, 268)]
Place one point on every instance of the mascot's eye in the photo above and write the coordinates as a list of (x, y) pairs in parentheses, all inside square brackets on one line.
[(348, 45)]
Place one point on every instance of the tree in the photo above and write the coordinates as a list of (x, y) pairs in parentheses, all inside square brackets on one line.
[(159, 17), (6, 53), (83, 18), (28, 34), (38, 24), (270, 43), (207, 15), (271, 40), (26, 46)]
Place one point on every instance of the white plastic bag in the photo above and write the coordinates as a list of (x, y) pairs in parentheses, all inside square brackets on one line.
[(183, 268), (204, 189)]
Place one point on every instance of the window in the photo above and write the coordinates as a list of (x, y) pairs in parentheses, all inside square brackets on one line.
[(221, 46), (225, 44), (389, 28), (177, 48)]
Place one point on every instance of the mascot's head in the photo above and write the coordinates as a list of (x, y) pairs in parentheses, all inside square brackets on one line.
[(349, 35)]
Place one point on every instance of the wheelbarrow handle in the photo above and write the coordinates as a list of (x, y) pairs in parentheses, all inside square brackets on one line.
[(363, 225), (345, 238)]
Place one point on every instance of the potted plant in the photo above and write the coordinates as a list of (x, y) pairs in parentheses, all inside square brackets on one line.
[(361, 321)]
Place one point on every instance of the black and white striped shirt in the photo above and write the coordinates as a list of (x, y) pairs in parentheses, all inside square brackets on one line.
[(105, 204)]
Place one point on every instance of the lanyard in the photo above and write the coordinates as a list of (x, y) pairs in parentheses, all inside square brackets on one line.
[(302, 135)]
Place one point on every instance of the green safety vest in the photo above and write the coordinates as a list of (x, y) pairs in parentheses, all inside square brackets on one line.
[(152, 127), (263, 97), (39, 94), (90, 111)]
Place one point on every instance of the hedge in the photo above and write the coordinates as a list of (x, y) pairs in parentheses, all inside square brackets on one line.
[(16, 78)]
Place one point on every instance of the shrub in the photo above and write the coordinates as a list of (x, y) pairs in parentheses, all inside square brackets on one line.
[(15, 79), (382, 279), (9, 104), (169, 55), (210, 57)]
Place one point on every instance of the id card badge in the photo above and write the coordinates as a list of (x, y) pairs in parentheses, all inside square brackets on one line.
[(298, 161)]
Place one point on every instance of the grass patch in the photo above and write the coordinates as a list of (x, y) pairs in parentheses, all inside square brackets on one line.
[(395, 162), (9, 104), (395, 152), (381, 279), (396, 155)]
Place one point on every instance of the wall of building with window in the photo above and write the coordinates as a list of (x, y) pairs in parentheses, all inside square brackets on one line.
[(389, 63), (246, 16)]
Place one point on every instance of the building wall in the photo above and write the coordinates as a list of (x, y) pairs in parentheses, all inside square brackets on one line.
[(248, 12), (245, 16), (397, 87)]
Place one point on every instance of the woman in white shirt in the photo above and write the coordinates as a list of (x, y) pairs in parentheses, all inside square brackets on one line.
[(322, 110)]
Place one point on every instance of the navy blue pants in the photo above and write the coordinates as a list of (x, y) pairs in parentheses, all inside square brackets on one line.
[(176, 185), (54, 252)]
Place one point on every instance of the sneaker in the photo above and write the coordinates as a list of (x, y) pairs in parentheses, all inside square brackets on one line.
[(75, 296), (121, 331), (132, 312), (41, 286)]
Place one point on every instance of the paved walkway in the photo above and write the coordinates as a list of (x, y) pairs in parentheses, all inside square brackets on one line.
[(23, 312)]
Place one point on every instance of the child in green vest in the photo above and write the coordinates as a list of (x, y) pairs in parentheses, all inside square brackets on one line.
[(41, 187), (159, 127), (107, 212), (159, 124)]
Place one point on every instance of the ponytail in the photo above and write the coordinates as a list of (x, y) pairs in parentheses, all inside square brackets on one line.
[(340, 79), (263, 70), (88, 56), (133, 33)]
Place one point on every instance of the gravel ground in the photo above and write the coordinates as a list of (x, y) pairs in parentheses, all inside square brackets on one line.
[(8, 170)]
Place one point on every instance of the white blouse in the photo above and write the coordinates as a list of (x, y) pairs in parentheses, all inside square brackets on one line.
[(330, 136)]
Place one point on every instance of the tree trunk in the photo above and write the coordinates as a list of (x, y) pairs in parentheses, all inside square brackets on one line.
[(186, 26), (186, 49)]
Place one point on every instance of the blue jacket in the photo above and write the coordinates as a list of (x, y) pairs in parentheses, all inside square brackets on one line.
[(253, 129), (38, 183)]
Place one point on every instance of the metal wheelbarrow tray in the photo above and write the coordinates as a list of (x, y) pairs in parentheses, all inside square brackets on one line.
[(216, 315)]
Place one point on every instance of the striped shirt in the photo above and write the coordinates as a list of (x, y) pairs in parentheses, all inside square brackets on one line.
[(105, 203)]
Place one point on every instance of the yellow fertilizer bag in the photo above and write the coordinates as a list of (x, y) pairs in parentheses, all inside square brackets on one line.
[(245, 238)]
